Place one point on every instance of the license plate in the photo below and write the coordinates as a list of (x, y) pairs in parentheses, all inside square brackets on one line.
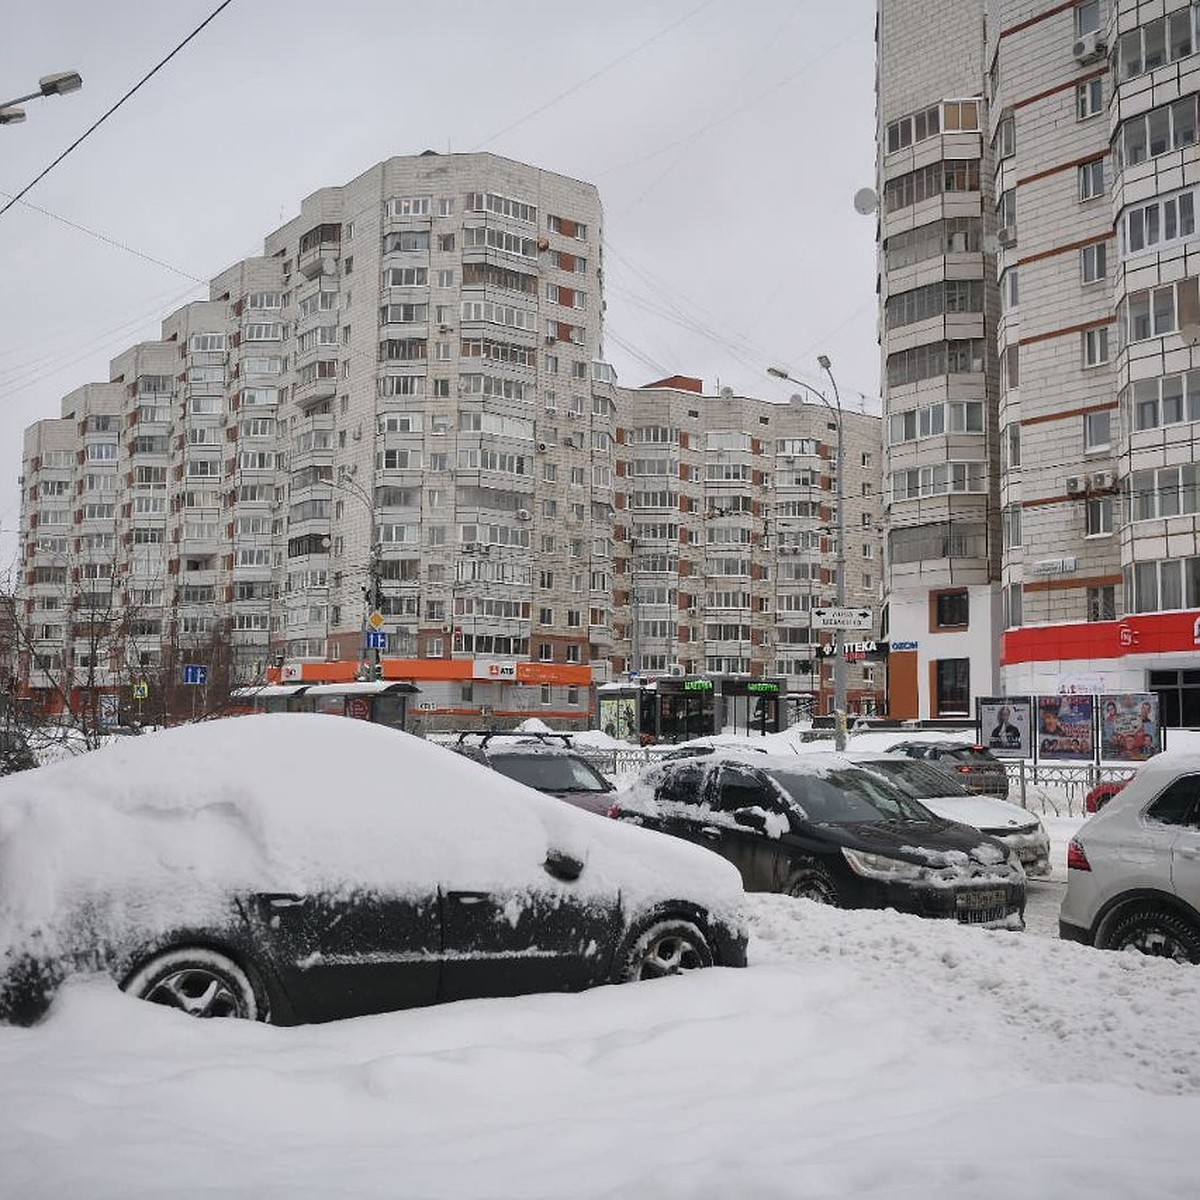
[(969, 901)]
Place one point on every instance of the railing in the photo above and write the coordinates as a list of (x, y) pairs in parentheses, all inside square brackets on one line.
[(1059, 787)]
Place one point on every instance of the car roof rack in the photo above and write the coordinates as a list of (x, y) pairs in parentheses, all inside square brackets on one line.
[(486, 735)]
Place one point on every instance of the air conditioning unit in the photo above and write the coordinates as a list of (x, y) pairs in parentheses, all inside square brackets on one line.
[(1074, 485), (447, 628), (445, 329), (1102, 481), (691, 610), (1090, 47), (523, 514), (573, 415), (1006, 235), (543, 446)]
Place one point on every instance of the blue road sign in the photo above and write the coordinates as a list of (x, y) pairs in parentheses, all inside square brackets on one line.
[(377, 640), (195, 674)]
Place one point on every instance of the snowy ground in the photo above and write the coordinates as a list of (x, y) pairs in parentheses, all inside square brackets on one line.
[(861, 1054)]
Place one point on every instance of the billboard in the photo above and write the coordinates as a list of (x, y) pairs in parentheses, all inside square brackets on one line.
[(1129, 726), (1064, 728), (619, 717), (1004, 726)]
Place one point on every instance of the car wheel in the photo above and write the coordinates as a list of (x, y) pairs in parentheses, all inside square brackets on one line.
[(200, 982), (665, 948), (813, 883), (1155, 931)]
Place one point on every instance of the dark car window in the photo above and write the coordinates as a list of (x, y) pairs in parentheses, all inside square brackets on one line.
[(969, 754), (1176, 802), (848, 795), (683, 784), (917, 779), (550, 772), (740, 787)]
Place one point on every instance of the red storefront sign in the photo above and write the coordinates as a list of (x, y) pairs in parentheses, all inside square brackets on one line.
[(1139, 633)]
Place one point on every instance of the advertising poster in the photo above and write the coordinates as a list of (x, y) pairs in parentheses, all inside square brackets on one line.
[(1004, 726), (618, 717), (1065, 728), (1129, 727)]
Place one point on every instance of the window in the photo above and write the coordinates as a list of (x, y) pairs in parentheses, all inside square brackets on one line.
[(1092, 263), (1091, 179), (1011, 525), (1165, 220), (1088, 14), (956, 235), (963, 356), (1155, 43), (1089, 99), (1097, 430), (1157, 586), (1098, 516), (1095, 346), (951, 610), (1156, 132), (949, 176), (1009, 290), (1166, 401), (919, 304), (952, 681), (1102, 603), (1006, 209), (1006, 137), (1154, 312), (1165, 492), (1013, 607)]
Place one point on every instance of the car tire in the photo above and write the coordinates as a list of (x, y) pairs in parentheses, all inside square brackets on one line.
[(200, 982), (666, 947), (1156, 931), (813, 883)]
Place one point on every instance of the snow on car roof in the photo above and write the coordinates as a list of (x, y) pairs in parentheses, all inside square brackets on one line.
[(177, 820)]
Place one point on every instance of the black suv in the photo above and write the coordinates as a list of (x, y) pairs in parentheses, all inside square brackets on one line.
[(817, 826), (975, 767), (543, 761)]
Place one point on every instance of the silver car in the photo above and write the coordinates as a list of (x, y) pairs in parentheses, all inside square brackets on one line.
[(1133, 870)]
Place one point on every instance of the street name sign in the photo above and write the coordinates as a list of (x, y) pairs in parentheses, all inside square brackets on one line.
[(842, 618)]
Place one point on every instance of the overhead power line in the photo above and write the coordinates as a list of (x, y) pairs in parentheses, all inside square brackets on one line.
[(100, 121)]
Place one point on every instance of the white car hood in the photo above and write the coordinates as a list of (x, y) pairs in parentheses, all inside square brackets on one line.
[(983, 812)]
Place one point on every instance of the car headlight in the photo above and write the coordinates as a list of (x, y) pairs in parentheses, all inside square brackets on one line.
[(1015, 864), (879, 866)]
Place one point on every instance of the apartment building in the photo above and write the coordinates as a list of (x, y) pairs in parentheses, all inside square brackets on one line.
[(396, 425), (940, 370), (1089, 169)]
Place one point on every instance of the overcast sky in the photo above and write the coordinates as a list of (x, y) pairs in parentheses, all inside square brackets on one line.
[(727, 138)]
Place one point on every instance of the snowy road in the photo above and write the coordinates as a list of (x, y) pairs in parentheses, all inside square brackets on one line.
[(861, 1054)]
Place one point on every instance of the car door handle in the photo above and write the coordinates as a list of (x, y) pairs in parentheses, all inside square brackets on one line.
[(469, 897), (711, 832)]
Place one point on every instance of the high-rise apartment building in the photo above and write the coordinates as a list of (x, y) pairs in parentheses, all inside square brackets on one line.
[(401, 410), (1088, 167)]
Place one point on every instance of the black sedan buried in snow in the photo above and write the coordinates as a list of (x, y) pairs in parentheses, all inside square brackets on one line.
[(299, 868), (817, 826)]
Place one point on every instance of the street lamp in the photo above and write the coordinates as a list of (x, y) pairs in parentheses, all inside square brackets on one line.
[(839, 659), (372, 592), (61, 83)]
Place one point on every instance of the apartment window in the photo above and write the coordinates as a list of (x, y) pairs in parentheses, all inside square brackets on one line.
[(1009, 290), (1158, 223), (1093, 265), (1170, 584), (1151, 45), (1011, 525), (949, 176), (445, 278), (1088, 15), (1168, 127), (1010, 367), (545, 654), (1089, 99), (1102, 603), (1165, 401), (1098, 516), (1006, 209), (1095, 346), (445, 241), (1097, 430), (1013, 607), (1091, 180), (446, 209), (949, 610), (1166, 492), (956, 235), (1154, 312), (952, 687), (1006, 138)]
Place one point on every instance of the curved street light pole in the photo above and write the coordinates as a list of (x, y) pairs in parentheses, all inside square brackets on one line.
[(61, 83), (839, 653)]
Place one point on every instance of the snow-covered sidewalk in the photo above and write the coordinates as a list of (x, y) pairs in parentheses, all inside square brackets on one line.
[(862, 1054)]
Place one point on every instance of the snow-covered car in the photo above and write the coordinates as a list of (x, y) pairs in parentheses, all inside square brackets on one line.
[(297, 867), (818, 826), (974, 766), (546, 762), (1017, 828), (1133, 869), (701, 746)]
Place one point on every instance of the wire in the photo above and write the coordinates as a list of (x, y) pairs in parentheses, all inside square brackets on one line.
[(100, 121), (616, 62)]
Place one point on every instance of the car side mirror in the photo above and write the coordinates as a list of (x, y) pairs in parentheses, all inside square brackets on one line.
[(752, 818), (561, 865)]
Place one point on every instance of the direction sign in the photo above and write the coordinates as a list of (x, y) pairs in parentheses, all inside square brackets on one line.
[(377, 640), (842, 618), (195, 674)]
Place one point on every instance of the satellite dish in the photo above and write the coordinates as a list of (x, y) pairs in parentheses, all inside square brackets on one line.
[(1190, 332), (866, 201)]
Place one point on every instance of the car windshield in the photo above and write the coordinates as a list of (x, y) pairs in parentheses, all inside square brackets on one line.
[(849, 795), (916, 779), (550, 772)]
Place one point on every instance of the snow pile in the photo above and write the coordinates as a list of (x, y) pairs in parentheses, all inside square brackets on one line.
[(861, 1054), (159, 830)]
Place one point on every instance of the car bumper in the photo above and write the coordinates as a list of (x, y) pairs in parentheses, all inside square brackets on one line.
[(1074, 933), (992, 904), (1032, 848)]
